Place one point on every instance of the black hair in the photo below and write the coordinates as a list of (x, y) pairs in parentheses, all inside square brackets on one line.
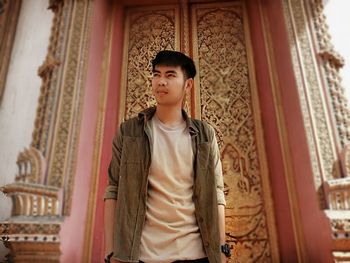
[(175, 58)]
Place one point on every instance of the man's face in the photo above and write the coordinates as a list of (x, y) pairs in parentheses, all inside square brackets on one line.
[(169, 85)]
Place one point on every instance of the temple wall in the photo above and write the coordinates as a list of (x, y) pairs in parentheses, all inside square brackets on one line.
[(18, 110), (18, 106)]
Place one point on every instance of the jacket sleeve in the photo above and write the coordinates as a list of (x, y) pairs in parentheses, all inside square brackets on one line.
[(217, 169), (111, 191)]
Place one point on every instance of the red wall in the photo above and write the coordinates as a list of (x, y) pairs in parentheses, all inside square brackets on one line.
[(73, 227), (272, 139), (109, 129)]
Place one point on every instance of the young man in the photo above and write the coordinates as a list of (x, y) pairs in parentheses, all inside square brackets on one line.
[(165, 200)]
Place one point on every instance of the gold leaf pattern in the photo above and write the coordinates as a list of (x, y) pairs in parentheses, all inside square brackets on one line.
[(226, 103), (150, 32)]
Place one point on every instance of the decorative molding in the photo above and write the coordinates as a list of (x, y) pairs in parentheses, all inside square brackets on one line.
[(341, 256), (344, 159), (42, 193), (185, 48), (48, 66), (62, 160), (29, 196), (32, 199), (31, 241), (31, 166), (54, 5), (9, 14), (339, 221), (332, 57), (49, 72), (331, 62), (318, 128), (337, 192), (185, 32)]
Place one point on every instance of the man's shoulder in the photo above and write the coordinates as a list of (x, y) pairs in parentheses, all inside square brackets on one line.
[(131, 127), (202, 125), (200, 122), (131, 120)]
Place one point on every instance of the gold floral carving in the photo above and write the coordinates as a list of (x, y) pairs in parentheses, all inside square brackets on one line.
[(185, 46), (65, 134), (48, 72), (226, 102), (8, 22), (147, 32)]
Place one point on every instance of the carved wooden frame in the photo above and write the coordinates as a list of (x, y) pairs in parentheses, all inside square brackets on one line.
[(8, 23)]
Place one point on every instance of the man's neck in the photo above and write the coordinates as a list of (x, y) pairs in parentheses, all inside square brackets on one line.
[(170, 116)]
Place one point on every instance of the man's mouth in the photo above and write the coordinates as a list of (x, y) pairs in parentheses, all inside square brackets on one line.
[(162, 92)]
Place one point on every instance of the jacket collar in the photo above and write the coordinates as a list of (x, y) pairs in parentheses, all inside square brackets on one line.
[(148, 113)]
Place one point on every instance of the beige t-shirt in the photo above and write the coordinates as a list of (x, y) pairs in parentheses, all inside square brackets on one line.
[(170, 231)]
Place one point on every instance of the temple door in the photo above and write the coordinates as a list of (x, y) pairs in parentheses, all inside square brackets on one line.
[(217, 36)]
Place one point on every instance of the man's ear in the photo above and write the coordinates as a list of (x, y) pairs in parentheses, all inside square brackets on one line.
[(189, 84)]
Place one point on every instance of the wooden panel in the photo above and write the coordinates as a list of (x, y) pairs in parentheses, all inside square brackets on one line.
[(148, 30), (226, 97)]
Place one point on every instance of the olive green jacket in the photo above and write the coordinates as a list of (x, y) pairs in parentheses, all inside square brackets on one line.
[(128, 179)]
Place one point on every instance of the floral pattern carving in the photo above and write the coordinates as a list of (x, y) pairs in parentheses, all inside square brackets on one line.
[(150, 32), (226, 103)]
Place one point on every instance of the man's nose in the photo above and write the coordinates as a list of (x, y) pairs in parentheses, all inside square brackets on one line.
[(162, 82)]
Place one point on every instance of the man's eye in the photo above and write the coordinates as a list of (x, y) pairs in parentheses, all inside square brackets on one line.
[(171, 75)]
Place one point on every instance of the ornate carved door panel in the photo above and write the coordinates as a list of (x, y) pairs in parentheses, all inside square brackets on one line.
[(216, 35)]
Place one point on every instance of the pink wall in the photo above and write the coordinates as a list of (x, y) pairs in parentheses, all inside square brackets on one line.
[(109, 130), (272, 141), (73, 227)]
